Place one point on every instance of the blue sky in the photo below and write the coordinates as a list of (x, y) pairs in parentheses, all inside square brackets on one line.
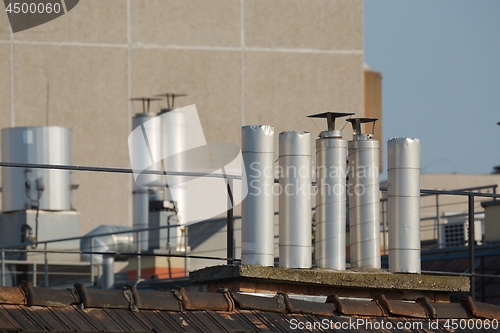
[(440, 62)]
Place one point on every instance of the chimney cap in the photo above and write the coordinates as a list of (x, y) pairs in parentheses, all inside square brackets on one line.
[(330, 117), (170, 97), (356, 124), (146, 101)]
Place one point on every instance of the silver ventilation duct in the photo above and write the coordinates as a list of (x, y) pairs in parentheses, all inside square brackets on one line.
[(295, 200), (145, 146), (257, 209), (403, 204), (364, 197), (122, 243), (108, 271), (25, 188), (331, 164), (174, 143)]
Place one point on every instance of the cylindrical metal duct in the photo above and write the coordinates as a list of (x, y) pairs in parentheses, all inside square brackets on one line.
[(140, 201), (403, 204), (364, 201), (173, 138), (257, 209), (122, 243), (174, 142), (145, 150), (295, 230), (108, 271), (25, 188), (331, 159)]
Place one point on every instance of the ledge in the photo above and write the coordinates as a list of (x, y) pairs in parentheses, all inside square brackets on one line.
[(378, 279)]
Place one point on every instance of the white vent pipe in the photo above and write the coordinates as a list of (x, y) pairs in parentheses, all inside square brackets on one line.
[(331, 173), (364, 197), (257, 209), (295, 231), (174, 146), (108, 271), (145, 146), (403, 204)]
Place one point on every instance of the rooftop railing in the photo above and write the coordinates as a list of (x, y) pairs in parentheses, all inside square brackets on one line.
[(230, 218)]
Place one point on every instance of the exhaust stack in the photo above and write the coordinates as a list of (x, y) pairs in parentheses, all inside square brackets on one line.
[(295, 200), (331, 156), (364, 197), (257, 209), (141, 155), (403, 203)]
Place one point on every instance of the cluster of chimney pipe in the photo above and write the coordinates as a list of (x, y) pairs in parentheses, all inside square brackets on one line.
[(346, 172)]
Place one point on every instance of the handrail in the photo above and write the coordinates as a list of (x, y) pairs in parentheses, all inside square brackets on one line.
[(117, 170)]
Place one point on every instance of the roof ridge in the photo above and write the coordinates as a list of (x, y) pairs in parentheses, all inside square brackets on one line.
[(181, 300)]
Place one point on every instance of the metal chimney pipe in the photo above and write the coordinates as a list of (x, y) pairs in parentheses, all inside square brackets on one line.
[(403, 204), (144, 147), (364, 197), (295, 231), (108, 271), (174, 143), (257, 209), (331, 172)]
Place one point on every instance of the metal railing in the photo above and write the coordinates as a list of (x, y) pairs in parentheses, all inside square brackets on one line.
[(438, 217), (230, 258)]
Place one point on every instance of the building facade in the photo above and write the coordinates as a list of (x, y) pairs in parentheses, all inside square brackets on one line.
[(240, 61)]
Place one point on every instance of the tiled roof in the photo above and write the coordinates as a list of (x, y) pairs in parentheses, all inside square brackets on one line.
[(32, 309)]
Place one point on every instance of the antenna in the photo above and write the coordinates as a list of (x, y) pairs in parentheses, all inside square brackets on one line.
[(170, 97), (146, 102)]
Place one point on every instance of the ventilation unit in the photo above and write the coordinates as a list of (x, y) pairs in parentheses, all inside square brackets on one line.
[(453, 232)]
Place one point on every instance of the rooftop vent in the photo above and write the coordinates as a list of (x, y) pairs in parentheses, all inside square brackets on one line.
[(331, 169), (364, 197)]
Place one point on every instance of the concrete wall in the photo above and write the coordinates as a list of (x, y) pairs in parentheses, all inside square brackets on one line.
[(240, 61)]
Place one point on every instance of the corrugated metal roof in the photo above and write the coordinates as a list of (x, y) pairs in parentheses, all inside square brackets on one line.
[(130, 310)]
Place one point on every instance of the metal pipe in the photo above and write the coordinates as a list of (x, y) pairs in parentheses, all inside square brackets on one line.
[(403, 202), (295, 230), (3, 267), (114, 240), (145, 149), (483, 281), (364, 198), (108, 271), (46, 265), (139, 264), (140, 201), (175, 141), (257, 209), (472, 259), (438, 220), (91, 261), (34, 274), (384, 226), (331, 171), (230, 223)]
